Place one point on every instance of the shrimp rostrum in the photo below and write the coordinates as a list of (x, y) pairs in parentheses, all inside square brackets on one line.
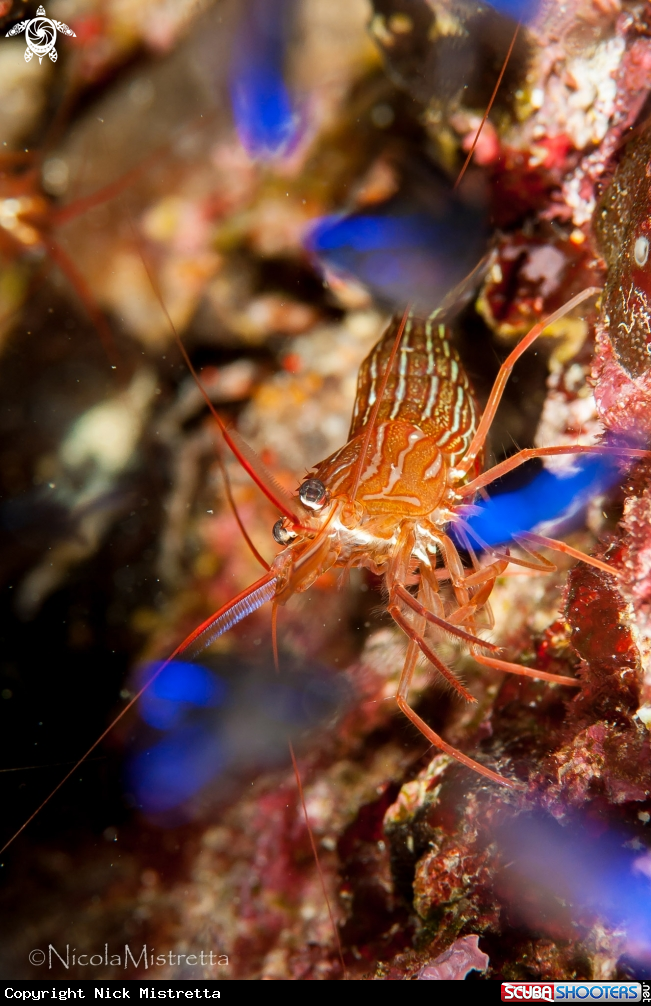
[(395, 500)]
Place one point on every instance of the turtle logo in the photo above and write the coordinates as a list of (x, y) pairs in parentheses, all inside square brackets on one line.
[(40, 35)]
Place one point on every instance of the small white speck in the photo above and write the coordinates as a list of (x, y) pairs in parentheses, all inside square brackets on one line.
[(641, 250)]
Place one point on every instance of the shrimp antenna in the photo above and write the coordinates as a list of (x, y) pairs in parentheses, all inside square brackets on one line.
[(488, 107), (245, 454), (220, 461), (316, 857), (299, 784), (236, 513), (74, 208), (79, 284), (221, 621)]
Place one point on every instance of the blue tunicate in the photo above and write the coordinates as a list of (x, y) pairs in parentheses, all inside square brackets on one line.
[(549, 497), (404, 252), (265, 115), (167, 774), (176, 689), (519, 10), (206, 730), (587, 873)]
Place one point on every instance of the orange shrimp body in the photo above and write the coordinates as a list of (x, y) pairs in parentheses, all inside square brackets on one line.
[(384, 501), (397, 498), (425, 421)]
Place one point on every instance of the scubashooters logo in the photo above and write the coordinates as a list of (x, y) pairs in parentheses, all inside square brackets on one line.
[(40, 35), (572, 991)]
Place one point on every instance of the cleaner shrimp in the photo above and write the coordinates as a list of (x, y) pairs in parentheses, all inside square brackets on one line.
[(386, 501)]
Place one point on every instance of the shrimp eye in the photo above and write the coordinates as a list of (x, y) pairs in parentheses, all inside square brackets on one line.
[(283, 535), (313, 494)]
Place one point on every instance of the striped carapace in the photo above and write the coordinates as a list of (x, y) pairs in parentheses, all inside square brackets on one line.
[(425, 421)]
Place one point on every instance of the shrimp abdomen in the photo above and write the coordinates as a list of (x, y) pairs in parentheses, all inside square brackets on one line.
[(428, 386)]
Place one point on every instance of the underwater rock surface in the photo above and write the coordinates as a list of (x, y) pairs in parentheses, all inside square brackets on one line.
[(120, 539)]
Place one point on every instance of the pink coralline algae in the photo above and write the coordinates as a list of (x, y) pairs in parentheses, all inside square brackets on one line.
[(456, 962), (622, 369)]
